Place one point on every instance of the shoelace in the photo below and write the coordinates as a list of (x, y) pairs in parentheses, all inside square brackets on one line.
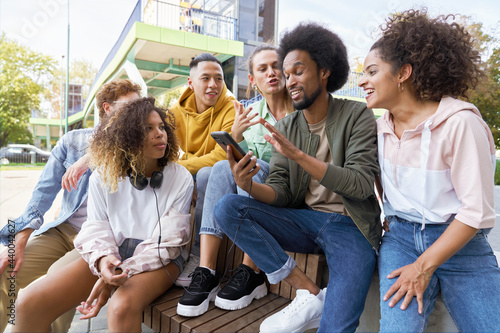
[(239, 278), (197, 280), (297, 304)]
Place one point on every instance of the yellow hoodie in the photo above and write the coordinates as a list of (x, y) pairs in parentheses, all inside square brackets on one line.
[(193, 129)]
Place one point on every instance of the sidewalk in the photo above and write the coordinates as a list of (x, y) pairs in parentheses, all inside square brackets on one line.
[(16, 187), (15, 192)]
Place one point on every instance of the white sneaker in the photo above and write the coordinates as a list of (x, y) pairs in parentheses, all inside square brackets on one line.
[(184, 279), (302, 314)]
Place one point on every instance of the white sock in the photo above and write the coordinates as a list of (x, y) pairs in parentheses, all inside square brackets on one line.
[(211, 270)]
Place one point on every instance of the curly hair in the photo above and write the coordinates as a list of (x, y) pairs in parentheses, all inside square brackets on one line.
[(116, 147), (113, 90), (442, 54), (325, 48)]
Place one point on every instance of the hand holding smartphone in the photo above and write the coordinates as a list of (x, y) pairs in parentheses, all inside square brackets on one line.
[(224, 140)]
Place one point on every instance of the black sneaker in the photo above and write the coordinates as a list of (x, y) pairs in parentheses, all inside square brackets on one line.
[(202, 289), (241, 289)]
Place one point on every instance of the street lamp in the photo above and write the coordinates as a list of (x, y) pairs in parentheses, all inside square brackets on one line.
[(61, 106), (67, 81)]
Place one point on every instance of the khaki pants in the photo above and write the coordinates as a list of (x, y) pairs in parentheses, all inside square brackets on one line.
[(51, 250)]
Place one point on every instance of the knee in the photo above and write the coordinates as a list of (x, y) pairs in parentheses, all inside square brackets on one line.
[(225, 209), (202, 178), (122, 306), (28, 304), (221, 166)]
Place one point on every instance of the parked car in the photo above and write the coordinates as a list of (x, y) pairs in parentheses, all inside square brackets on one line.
[(21, 153)]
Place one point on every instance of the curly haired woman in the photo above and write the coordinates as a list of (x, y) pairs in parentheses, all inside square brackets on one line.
[(138, 223), (437, 166)]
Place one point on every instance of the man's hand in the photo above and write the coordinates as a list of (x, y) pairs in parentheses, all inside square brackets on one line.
[(278, 140), (100, 293), (15, 260), (243, 172), (74, 172), (242, 121), (108, 266)]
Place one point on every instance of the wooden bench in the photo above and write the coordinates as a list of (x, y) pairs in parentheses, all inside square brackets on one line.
[(161, 315)]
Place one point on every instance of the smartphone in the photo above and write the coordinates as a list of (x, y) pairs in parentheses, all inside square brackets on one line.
[(224, 140)]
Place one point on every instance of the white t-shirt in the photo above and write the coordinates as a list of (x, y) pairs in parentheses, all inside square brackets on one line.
[(138, 220)]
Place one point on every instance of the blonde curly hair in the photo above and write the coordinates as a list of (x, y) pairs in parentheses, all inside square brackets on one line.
[(116, 148)]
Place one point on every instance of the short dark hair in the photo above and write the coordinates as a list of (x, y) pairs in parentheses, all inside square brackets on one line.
[(442, 54), (325, 48), (203, 57)]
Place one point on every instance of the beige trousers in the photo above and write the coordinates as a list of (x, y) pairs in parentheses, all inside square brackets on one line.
[(52, 250)]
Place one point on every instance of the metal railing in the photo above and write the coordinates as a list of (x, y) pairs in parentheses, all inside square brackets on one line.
[(351, 87), (247, 102), (197, 20)]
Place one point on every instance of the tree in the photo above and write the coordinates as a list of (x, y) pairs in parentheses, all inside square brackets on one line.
[(23, 74), (486, 96)]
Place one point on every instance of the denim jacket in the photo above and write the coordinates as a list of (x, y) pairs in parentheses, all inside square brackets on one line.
[(68, 150)]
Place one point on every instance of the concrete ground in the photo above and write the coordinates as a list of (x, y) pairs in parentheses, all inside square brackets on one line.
[(16, 187)]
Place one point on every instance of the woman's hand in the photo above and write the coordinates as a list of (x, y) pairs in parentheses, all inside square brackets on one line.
[(412, 282), (108, 266), (74, 172), (242, 121), (100, 293)]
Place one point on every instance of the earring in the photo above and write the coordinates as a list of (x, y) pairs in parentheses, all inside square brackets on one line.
[(254, 87), (401, 87)]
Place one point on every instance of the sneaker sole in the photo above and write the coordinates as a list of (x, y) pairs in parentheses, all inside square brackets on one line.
[(312, 324), (197, 310), (242, 302), (182, 283)]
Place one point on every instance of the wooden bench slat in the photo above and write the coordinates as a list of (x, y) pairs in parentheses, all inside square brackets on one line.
[(231, 316), (161, 315), (236, 320)]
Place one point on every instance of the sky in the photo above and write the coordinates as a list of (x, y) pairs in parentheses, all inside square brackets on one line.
[(95, 25)]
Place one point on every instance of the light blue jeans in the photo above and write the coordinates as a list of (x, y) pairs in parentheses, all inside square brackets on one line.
[(222, 182), (469, 281), (265, 232), (201, 181)]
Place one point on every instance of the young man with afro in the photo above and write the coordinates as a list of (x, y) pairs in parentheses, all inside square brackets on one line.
[(319, 195)]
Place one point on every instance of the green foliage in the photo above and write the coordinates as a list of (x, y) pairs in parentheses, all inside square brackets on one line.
[(170, 97), (486, 96), (497, 173), (22, 76)]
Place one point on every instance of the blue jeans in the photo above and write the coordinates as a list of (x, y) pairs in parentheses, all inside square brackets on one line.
[(201, 181), (469, 281), (220, 183), (265, 232)]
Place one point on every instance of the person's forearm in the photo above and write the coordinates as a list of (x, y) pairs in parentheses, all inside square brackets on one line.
[(262, 192), (456, 236), (313, 166)]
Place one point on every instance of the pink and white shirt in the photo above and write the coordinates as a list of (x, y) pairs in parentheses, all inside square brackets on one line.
[(442, 168)]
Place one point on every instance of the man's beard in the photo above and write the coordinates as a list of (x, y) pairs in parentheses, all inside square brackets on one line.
[(307, 101)]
